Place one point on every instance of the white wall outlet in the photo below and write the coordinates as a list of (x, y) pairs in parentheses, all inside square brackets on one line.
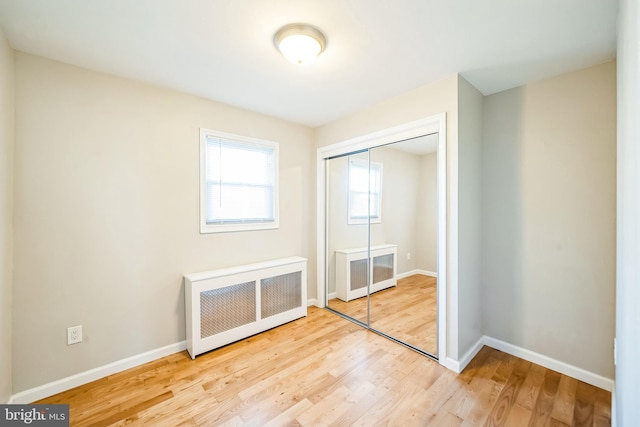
[(74, 335), (408, 255)]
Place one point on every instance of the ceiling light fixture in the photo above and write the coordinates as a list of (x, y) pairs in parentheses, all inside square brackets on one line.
[(300, 43)]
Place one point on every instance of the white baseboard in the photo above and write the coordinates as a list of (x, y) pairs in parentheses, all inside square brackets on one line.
[(428, 273), (537, 358), (458, 366), (312, 301), (416, 271), (549, 363), (76, 380), (332, 295)]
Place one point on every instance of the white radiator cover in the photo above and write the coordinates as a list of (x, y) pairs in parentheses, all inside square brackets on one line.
[(223, 306), (352, 274)]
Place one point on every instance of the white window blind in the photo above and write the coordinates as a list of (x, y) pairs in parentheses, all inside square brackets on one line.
[(239, 183), (365, 191)]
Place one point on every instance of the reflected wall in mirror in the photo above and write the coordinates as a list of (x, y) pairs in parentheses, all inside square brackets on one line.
[(347, 235), (382, 237)]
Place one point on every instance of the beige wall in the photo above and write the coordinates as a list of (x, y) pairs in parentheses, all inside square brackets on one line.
[(6, 222), (470, 166), (427, 218), (419, 103), (106, 214), (549, 217)]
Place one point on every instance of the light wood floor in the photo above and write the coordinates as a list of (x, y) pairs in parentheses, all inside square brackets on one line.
[(325, 370), (407, 311)]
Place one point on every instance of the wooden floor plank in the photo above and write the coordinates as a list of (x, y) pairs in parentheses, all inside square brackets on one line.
[(507, 399), (565, 400), (489, 386), (583, 408), (325, 370), (518, 416), (546, 399), (532, 385), (602, 409)]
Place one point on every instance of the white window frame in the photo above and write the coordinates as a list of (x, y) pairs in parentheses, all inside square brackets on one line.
[(353, 220), (240, 140)]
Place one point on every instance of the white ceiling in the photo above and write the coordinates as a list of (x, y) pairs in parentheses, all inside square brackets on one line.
[(223, 50), (425, 144)]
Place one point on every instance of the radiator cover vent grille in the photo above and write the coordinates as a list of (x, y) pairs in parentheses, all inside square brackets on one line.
[(281, 293), (227, 308), (383, 268), (359, 274)]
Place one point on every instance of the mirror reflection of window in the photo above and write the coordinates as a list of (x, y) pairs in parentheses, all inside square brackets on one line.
[(365, 191)]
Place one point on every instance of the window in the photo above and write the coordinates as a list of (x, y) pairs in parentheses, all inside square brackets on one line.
[(238, 183), (365, 191)]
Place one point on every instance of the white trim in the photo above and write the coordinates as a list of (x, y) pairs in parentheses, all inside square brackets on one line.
[(445, 284), (427, 125), (82, 378), (458, 365), (549, 363), (416, 271), (450, 364), (312, 301), (321, 215), (433, 124)]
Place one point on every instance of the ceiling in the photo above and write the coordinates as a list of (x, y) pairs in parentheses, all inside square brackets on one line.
[(420, 145), (223, 50)]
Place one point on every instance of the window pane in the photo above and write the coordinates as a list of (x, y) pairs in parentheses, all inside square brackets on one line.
[(240, 182), (365, 186), (238, 203), (374, 206), (358, 205), (358, 178)]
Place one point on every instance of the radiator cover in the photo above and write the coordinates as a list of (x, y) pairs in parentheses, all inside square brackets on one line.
[(354, 270), (223, 306)]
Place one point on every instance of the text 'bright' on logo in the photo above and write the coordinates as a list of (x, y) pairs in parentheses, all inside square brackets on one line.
[(37, 415)]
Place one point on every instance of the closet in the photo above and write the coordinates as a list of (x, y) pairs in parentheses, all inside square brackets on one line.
[(383, 204)]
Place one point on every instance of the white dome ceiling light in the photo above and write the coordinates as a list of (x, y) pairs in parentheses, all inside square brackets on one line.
[(300, 43)]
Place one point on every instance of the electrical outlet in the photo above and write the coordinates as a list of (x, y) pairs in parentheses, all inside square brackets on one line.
[(74, 335), (408, 255)]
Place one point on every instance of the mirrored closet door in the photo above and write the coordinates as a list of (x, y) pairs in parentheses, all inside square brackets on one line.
[(381, 239), (348, 235)]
